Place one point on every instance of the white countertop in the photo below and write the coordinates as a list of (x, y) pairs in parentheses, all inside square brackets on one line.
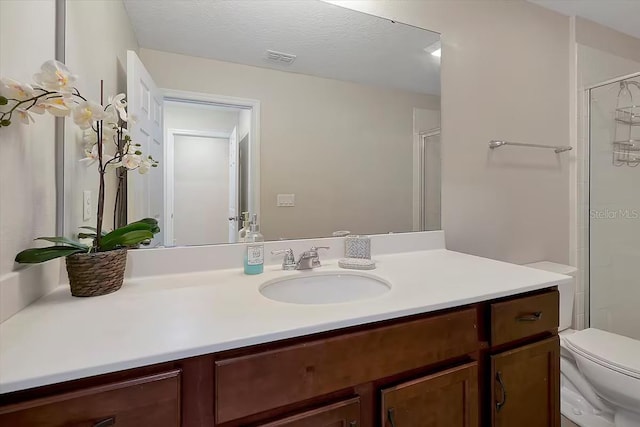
[(163, 318)]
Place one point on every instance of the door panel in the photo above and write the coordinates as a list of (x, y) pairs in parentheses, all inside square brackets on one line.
[(444, 399), (526, 386), (146, 192)]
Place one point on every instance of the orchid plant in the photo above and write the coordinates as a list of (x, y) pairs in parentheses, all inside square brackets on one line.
[(54, 93)]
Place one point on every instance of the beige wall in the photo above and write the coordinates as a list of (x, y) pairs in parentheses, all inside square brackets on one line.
[(27, 175), (505, 74), (344, 149), (606, 39), (98, 35)]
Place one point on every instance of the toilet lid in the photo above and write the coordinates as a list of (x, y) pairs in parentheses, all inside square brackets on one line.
[(613, 351)]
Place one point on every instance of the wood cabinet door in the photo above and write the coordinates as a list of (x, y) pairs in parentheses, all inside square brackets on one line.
[(153, 400), (526, 386), (341, 414), (445, 399)]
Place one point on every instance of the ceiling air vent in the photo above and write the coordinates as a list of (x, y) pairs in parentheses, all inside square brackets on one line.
[(280, 57)]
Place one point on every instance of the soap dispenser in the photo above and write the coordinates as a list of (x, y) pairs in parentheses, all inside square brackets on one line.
[(254, 255)]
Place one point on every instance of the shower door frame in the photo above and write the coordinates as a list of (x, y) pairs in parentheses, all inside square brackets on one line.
[(584, 196)]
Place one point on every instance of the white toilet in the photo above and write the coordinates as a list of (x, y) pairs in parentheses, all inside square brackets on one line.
[(600, 371)]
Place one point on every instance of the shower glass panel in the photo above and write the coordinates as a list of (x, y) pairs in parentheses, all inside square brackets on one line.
[(430, 165), (614, 207)]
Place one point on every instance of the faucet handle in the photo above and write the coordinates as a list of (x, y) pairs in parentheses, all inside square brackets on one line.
[(315, 248), (289, 261)]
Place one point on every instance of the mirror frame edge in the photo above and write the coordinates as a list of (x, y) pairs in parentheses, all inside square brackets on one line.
[(60, 34)]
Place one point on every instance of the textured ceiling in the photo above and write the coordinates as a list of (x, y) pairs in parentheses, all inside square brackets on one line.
[(621, 15), (328, 40)]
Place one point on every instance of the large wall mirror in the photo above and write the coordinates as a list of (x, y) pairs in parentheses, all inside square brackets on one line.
[(319, 119)]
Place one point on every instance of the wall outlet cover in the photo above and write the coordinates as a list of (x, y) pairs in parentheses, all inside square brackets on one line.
[(286, 200)]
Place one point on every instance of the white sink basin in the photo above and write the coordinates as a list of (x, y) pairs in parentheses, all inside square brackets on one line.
[(324, 288)]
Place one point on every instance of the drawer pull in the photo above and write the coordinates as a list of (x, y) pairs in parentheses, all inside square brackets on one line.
[(503, 400), (353, 424), (391, 415), (107, 422), (536, 315)]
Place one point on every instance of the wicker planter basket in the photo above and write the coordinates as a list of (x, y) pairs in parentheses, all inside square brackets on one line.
[(97, 273)]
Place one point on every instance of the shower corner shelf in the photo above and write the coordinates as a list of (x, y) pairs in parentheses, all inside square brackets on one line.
[(628, 115)]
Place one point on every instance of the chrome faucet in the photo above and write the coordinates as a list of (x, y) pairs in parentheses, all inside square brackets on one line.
[(310, 259), (289, 261)]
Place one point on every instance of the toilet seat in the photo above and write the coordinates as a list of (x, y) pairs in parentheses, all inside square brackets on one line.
[(612, 351)]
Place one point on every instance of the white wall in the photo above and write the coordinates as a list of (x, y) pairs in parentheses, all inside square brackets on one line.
[(27, 175), (182, 115), (98, 35), (505, 75), (345, 144)]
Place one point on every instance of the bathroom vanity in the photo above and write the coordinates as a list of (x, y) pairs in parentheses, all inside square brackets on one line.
[(481, 352)]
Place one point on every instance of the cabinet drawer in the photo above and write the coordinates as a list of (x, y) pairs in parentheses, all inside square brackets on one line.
[(448, 398), (343, 414), (146, 401), (251, 384), (523, 317)]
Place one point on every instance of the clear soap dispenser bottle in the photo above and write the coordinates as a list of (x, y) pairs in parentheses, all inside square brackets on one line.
[(254, 255)]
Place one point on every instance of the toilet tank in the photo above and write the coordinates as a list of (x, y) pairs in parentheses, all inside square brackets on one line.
[(567, 290)]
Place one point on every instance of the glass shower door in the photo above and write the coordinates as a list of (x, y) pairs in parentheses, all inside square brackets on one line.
[(614, 208)]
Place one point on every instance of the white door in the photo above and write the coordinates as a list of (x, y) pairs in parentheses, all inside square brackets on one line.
[(146, 192), (200, 189), (233, 186)]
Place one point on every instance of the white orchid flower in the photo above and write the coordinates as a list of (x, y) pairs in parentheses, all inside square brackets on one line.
[(91, 156), (120, 104), (56, 106), (111, 115), (87, 113), (13, 89), (24, 116), (145, 166), (55, 76), (131, 161)]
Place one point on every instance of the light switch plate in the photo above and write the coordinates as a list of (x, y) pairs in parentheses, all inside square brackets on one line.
[(86, 205), (286, 200)]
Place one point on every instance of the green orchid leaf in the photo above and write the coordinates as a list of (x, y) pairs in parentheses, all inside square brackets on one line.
[(65, 241), (38, 255), (129, 238), (113, 239)]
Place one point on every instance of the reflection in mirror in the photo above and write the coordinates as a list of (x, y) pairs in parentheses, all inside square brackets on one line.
[(317, 118)]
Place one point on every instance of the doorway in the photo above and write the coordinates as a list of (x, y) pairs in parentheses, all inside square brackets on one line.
[(207, 170)]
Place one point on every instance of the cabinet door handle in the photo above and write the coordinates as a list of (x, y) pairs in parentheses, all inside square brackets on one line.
[(107, 422), (353, 424), (391, 416), (536, 315), (503, 400)]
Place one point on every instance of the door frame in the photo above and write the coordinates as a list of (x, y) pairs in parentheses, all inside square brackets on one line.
[(169, 173), (254, 133), (420, 140)]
